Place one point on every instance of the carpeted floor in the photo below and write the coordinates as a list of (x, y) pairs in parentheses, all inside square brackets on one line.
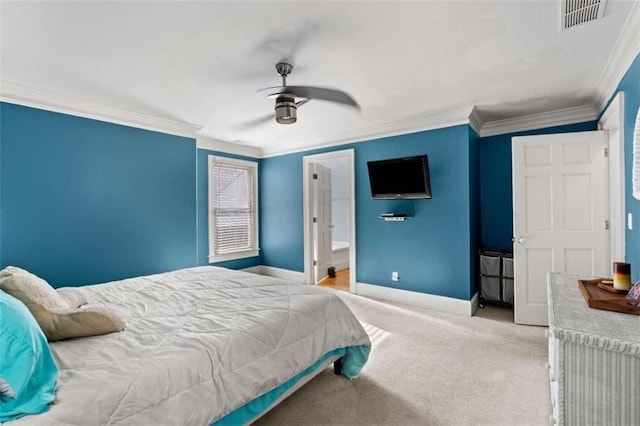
[(431, 368)]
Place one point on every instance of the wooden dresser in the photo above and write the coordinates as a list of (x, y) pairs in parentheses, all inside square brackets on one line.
[(594, 359)]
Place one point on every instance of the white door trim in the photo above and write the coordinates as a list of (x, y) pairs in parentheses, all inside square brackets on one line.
[(613, 121), (307, 182)]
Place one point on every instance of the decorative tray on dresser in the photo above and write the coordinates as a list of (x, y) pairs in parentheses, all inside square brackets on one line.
[(594, 358), (599, 295)]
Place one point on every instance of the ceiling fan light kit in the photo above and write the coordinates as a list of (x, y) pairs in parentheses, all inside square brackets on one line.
[(286, 109)]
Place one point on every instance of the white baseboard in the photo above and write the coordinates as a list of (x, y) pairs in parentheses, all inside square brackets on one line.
[(341, 264), (474, 303), (253, 269), (414, 298), (423, 300), (284, 274)]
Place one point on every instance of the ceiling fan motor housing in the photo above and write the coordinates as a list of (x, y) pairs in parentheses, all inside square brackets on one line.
[(286, 109)]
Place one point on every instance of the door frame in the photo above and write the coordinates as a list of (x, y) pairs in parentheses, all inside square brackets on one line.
[(613, 119), (307, 196)]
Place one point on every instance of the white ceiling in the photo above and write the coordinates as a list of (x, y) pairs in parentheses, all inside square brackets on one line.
[(202, 62)]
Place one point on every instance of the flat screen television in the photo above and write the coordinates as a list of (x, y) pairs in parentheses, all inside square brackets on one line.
[(400, 178)]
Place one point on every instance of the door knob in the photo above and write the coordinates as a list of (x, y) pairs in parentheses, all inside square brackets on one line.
[(521, 240)]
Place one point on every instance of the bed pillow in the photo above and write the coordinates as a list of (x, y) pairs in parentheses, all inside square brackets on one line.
[(72, 296), (31, 289), (52, 312), (28, 373)]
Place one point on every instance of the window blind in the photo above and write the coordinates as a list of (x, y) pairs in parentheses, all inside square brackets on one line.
[(233, 208)]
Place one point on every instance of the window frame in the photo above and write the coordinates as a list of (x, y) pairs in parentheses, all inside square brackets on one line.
[(635, 159), (240, 254)]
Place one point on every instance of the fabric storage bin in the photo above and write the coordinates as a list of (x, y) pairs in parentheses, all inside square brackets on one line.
[(490, 288), (507, 279), (507, 267), (490, 264), (507, 290)]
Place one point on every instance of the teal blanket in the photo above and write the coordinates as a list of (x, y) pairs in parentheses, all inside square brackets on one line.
[(353, 359)]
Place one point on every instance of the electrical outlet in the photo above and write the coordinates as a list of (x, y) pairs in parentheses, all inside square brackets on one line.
[(394, 276)]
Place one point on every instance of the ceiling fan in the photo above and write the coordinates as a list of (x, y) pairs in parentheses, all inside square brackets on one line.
[(286, 105)]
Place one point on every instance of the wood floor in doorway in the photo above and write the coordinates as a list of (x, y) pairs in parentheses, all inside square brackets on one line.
[(340, 282)]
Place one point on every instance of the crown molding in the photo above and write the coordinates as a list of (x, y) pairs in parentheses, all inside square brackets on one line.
[(624, 53), (412, 124), (558, 117), (228, 147), (475, 121), (28, 96)]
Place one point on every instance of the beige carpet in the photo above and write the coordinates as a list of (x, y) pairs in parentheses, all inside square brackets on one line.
[(431, 368)]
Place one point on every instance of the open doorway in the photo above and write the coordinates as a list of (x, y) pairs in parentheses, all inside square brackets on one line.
[(340, 206)]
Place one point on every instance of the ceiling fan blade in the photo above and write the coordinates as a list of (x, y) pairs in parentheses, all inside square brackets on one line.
[(324, 94), (302, 102), (271, 91), (308, 92), (255, 122)]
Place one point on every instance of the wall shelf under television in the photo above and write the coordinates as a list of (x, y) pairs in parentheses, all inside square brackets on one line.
[(393, 217)]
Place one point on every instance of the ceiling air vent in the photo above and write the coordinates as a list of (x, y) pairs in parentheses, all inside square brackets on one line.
[(576, 12)]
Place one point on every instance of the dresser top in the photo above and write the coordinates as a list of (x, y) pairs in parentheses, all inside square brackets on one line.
[(570, 318)]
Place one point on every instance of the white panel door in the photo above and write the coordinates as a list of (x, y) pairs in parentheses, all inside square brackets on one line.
[(560, 198), (322, 218)]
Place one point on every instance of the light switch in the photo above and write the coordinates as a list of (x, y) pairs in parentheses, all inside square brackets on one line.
[(629, 221)]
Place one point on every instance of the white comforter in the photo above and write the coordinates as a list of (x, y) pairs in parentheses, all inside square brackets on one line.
[(199, 343)]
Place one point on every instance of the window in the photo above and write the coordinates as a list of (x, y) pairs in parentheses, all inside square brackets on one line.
[(233, 209), (635, 162)]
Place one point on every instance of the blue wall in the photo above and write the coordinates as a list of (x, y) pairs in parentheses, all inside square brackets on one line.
[(281, 212), (630, 85), (203, 211), (496, 193), (431, 251), (85, 201)]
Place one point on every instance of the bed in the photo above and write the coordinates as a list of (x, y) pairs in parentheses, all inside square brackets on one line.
[(203, 345)]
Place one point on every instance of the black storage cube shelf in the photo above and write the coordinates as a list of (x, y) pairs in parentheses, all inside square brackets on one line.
[(496, 277)]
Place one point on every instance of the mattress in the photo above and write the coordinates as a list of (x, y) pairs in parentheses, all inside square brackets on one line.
[(200, 345)]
